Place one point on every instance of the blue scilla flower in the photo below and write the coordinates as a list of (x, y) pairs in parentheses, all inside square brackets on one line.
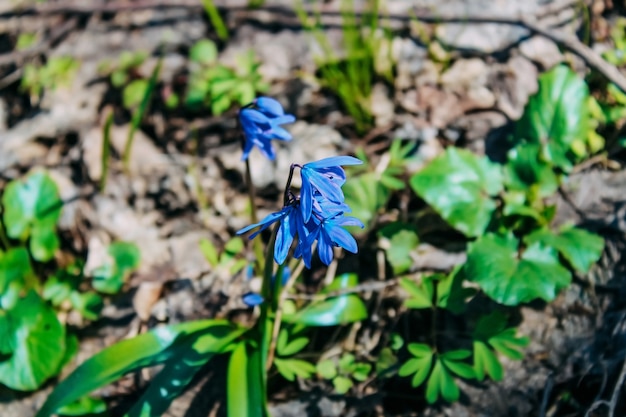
[(329, 233), (325, 178), (289, 219), (261, 122)]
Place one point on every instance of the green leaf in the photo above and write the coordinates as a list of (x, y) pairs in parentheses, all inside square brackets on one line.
[(361, 371), (366, 196), (15, 271), (88, 304), (204, 52), (441, 383), (581, 248), (290, 368), (507, 343), (124, 259), (398, 240), (243, 384), (38, 344), (346, 362), (334, 311), (84, 406), (33, 204), (178, 372), (294, 346), (456, 354), (485, 361), (461, 369), (421, 295), (526, 168), (556, 115), (209, 251), (133, 93), (154, 347), (327, 369), (342, 384), (44, 242), (459, 186), (493, 263), (420, 350)]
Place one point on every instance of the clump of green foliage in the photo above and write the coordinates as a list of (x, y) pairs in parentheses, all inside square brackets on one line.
[(35, 290), (57, 71), (351, 77), (218, 86)]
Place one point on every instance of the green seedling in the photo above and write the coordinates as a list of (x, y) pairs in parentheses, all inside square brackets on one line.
[(343, 372), (58, 71)]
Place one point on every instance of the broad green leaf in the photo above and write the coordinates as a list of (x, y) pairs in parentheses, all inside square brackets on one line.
[(44, 242), (152, 348), (178, 372), (579, 247), (334, 311), (33, 203), (327, 369), (485, 361), (244, 383), (204, 52), (366, 196), (459, 186), (346, 362), (110, 277), (493, 263), (341, 282), (15, 269), (398, 241), (451, 294), (490, 325), (38, 342), (342, 384), (525, 168), (556, 115)]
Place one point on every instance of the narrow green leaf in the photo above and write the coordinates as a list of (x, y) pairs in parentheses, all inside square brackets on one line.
[(486, 360), (420, 350), (421, 295), (178, 372), (461, 369), (244, 383), (151, 348), (294, 346)]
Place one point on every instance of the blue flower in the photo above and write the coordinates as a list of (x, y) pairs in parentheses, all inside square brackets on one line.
[(262, 124), (325, 178), (288, 218), (330, 233), (252, 299)]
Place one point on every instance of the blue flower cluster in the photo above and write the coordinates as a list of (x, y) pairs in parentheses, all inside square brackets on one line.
[(261, 122), (317, 214)]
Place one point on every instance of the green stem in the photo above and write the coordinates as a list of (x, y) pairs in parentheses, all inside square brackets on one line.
[(257, 245), (266, 319)]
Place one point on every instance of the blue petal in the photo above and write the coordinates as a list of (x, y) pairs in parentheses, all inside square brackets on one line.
[(252, 299), (349, 221), (334, 161), (284, 238), (251, 116), (279, 133), (288, 118), (325, 248), (326, 187), (269, 106), (306, 197), (265, 223), (265, 146), (342, 237)]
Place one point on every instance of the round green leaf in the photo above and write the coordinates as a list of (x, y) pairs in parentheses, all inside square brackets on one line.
[(204, 51), (459, 186), (326, 369), (38, 341), (493, 263), (33, 201), (342, 384), (556, 115)]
